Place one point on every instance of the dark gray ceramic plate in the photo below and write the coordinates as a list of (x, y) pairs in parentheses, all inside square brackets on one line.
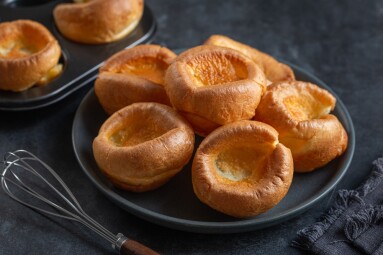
[(175, 206)]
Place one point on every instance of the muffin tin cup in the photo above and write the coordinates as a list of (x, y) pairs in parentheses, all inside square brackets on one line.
[(80, 61)]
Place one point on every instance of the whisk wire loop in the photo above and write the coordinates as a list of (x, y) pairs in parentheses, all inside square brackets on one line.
[(21, 159), (14, 178)]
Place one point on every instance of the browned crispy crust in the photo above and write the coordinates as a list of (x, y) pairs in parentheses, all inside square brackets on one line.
[(213, 86), (21, 73), (160, 143), (117, 87), (275, 71), (314, 136), (98, 21), (260, 190)]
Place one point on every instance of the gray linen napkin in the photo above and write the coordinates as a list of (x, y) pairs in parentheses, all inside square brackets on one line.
[(354, 225)]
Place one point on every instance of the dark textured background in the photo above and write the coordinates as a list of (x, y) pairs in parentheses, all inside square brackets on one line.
[(341, 42)]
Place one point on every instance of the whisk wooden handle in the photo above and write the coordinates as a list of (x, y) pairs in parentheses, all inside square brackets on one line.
[(131, 247)]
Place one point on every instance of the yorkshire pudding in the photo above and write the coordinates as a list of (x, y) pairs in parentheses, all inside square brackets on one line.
[(299, 111), (133, 75), (142, 146), (29, 55), (98, 21), (212, 86), (241, 169), (274, 70)]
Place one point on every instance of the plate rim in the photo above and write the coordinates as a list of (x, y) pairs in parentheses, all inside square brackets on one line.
[(240, 225)]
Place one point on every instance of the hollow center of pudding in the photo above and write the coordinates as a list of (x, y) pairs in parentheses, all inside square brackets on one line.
[(305, 107), (244, 162), (150, 68), (17, 48), (22, 41), (135, 132), (216, 68)]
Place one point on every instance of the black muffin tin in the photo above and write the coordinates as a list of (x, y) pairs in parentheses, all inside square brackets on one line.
[(81, 61)]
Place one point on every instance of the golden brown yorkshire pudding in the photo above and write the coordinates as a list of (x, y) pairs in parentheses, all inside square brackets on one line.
[(241, 169), (143, 145), (29, 55), (299, 111), (133, 75), (274, 70), (212, 86), (98, 21)]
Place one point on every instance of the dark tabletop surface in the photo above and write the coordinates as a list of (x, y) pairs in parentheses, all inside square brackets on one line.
[(341, 42)]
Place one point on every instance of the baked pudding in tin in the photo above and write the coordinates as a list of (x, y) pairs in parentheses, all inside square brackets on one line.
[(29, 55), (98, 21)]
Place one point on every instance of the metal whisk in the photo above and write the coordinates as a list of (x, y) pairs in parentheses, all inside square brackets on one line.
[(26, 176)]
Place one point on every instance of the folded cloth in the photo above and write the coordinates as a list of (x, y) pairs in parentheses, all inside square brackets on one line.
[(354, 225)]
